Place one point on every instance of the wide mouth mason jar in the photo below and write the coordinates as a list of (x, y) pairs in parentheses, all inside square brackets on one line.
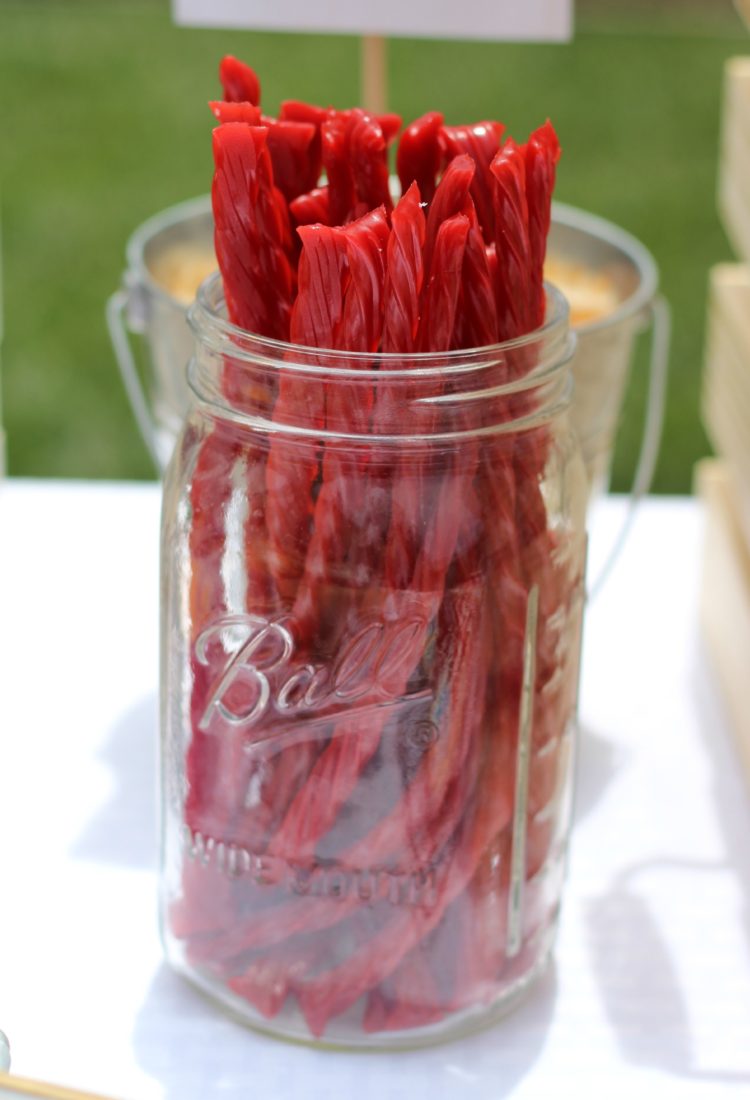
[(372, 591)]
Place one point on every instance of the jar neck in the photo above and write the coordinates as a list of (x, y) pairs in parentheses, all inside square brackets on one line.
[(280, 387)]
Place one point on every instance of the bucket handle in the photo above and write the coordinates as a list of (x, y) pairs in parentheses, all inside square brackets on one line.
[(653, 422), (119, 306)]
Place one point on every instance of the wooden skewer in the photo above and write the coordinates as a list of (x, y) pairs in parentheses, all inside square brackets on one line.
[(374, 73), (743, 7), (21, 1086)]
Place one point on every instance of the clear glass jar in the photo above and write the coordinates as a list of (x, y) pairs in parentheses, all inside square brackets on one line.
[(372, 590)]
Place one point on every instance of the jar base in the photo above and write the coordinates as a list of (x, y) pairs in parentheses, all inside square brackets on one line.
[(458, 1026)]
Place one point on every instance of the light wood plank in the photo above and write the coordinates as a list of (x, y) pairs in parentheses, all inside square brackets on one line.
[(725, 599)]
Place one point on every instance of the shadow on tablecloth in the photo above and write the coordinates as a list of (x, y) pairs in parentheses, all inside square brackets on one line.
[(730, 784), (595, 766), (125, 829), (193, 1050), (654, 1022)]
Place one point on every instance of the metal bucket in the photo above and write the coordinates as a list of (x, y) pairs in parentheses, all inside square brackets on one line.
[(600, 367), (145, 307), (606, 345)]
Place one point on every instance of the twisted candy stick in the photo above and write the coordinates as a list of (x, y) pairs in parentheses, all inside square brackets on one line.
[(400, 318), (311, 207), (513, 285), (540, 158), (251, 253), (246, 263), (367, 152), (541, 155), (482, 142), (280, 778), (554, 705), (412, 994), (210, 491), (403, 289), (354, 157), (541, 549), (516, 308), (440, 296), (239, 82), (477, 323), (438, 307), (236, 236), (248, 232), (289, 146), (362, 245), (284, 146), (345, 497), (212, 762), (450, 198), (273, 225), (420, 154), (542, 152), (315, 322), (235, 111), (520, 293), (404, 277), (342, 195), (390, 124), (338, 505), (293, 110)]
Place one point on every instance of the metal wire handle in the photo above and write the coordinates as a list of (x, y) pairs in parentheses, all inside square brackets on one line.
[(117, 307), (652, 430)]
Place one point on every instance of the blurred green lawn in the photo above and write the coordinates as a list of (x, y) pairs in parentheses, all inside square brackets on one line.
[(104, 123)]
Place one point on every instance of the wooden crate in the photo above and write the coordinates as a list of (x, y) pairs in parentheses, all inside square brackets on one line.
[(726, 377), (725, 598), (734, 157)]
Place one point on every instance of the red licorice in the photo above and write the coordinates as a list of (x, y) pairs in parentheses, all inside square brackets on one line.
[(386, 592)]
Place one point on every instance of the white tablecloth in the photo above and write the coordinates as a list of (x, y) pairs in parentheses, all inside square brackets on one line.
[(650, 992)]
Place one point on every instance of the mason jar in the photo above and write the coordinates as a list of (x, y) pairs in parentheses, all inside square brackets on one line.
[(372, 591)]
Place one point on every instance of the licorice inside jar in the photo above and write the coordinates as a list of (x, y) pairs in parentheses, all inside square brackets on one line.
[(372, 590)]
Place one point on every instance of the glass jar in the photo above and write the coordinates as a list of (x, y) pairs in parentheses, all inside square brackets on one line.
[(372, 590)]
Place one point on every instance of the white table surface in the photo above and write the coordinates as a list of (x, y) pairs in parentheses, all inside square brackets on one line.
[(650, 991)]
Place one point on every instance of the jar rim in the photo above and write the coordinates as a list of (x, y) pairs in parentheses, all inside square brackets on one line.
[(225, 337)]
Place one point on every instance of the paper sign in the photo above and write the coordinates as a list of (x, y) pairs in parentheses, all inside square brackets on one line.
[(505, 20)]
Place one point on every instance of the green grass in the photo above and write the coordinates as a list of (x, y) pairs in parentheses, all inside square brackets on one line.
[(104, 123)]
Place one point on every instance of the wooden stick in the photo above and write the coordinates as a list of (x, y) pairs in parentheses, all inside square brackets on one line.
[(374, 73), (743, 7), (21, 1086)]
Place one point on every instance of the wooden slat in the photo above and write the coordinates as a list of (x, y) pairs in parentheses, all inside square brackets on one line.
[(725, 402), (734, 157), (743, 7), (725, 599)]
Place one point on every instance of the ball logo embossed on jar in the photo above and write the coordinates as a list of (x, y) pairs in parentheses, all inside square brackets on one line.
[(257, 676)]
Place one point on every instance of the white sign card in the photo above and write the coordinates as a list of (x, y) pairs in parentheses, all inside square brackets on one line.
[(503, 20)]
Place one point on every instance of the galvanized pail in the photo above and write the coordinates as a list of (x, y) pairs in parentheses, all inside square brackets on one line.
[(169, 254)]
